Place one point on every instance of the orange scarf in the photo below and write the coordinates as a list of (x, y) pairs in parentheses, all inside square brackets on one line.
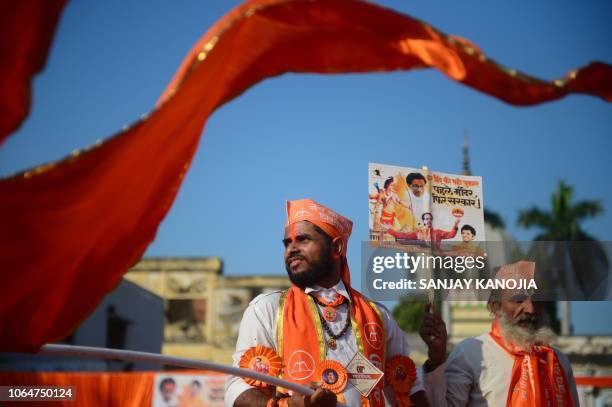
[(537, 378), (301, 341)]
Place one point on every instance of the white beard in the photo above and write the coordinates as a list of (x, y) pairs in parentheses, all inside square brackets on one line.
[(524, 338)]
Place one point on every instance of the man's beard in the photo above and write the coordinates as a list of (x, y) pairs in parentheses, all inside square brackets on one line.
[(537, 332), (313, 275)]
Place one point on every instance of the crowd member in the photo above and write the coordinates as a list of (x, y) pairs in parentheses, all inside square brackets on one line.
[(321, 319), (512, 365)]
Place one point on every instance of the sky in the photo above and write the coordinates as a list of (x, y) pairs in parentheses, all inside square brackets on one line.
[(299, 136)]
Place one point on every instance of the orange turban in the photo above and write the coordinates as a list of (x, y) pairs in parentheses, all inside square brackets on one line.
[(332, 223), (520, 270)]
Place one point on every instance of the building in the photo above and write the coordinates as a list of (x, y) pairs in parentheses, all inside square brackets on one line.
[(202, 307), (129, 317)]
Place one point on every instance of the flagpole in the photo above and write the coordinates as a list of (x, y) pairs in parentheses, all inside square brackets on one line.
[(137, 356)]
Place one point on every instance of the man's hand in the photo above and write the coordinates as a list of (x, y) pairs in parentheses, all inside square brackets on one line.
[(256, 397), (433, 332), (320, 398)]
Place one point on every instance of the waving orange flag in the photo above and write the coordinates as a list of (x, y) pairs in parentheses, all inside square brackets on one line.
[(26, 31), (70, 230)]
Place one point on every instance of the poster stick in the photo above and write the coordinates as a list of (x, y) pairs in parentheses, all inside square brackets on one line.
[(427, 208)]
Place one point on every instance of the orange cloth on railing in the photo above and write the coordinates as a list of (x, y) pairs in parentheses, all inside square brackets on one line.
[(92, 389), (71, 229), (604, 382), (121, 389)]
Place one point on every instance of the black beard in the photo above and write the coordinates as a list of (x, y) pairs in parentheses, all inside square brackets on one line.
[(313, 275)]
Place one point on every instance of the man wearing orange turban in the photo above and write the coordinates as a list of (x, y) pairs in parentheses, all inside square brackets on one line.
[(513, 364), (321, 319)]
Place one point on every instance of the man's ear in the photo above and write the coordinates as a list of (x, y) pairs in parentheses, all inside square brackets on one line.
[(493, 306), (337, 247)]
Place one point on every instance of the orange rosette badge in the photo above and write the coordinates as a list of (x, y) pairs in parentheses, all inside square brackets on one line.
[(260, 359), (332, 375), (400, 374)]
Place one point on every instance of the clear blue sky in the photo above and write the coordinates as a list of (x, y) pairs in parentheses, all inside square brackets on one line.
[(111, 60)]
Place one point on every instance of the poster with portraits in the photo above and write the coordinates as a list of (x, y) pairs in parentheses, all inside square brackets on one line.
[(412, 205), (174, 389)]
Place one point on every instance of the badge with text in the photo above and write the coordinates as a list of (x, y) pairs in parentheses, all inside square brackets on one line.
[(363, 374), (332, 376), (260, 359)]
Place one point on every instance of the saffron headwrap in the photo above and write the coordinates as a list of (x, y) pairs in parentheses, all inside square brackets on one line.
[(300, 336), (332, 223), (537, 377)]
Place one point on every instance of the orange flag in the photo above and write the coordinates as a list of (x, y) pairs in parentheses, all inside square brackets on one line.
[(26, 31), (70, 230)]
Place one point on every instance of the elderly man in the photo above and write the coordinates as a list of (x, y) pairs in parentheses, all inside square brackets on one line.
[(321, 322), (512, 365)]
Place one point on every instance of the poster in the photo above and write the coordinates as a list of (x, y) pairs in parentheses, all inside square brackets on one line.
[(412, 206), (188, 390)]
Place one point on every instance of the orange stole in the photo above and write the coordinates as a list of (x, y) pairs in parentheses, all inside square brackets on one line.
[(387, 218), (300, 350), (537, 378)]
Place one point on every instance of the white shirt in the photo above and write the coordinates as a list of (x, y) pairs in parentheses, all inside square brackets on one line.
[(477, 374), (420, 205), (258, 327)]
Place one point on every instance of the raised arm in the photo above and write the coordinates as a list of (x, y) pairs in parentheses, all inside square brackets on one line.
[(448, 381)]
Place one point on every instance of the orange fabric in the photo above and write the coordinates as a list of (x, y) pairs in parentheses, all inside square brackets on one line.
[(301, 349), (334, 224), (537, 377), (121, 389), (92, 389), (520, 270), (387, 218), (71, 229), (595, 381), (26, 30)]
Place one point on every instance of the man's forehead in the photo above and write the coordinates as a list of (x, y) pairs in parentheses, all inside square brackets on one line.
[(302, 226), (518, 295)]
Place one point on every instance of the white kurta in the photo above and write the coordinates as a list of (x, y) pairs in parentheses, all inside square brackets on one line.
[(477, 374), (258, 327), (420, 205)]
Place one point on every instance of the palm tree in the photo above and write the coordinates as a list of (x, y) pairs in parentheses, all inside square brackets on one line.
[(562, 223)]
